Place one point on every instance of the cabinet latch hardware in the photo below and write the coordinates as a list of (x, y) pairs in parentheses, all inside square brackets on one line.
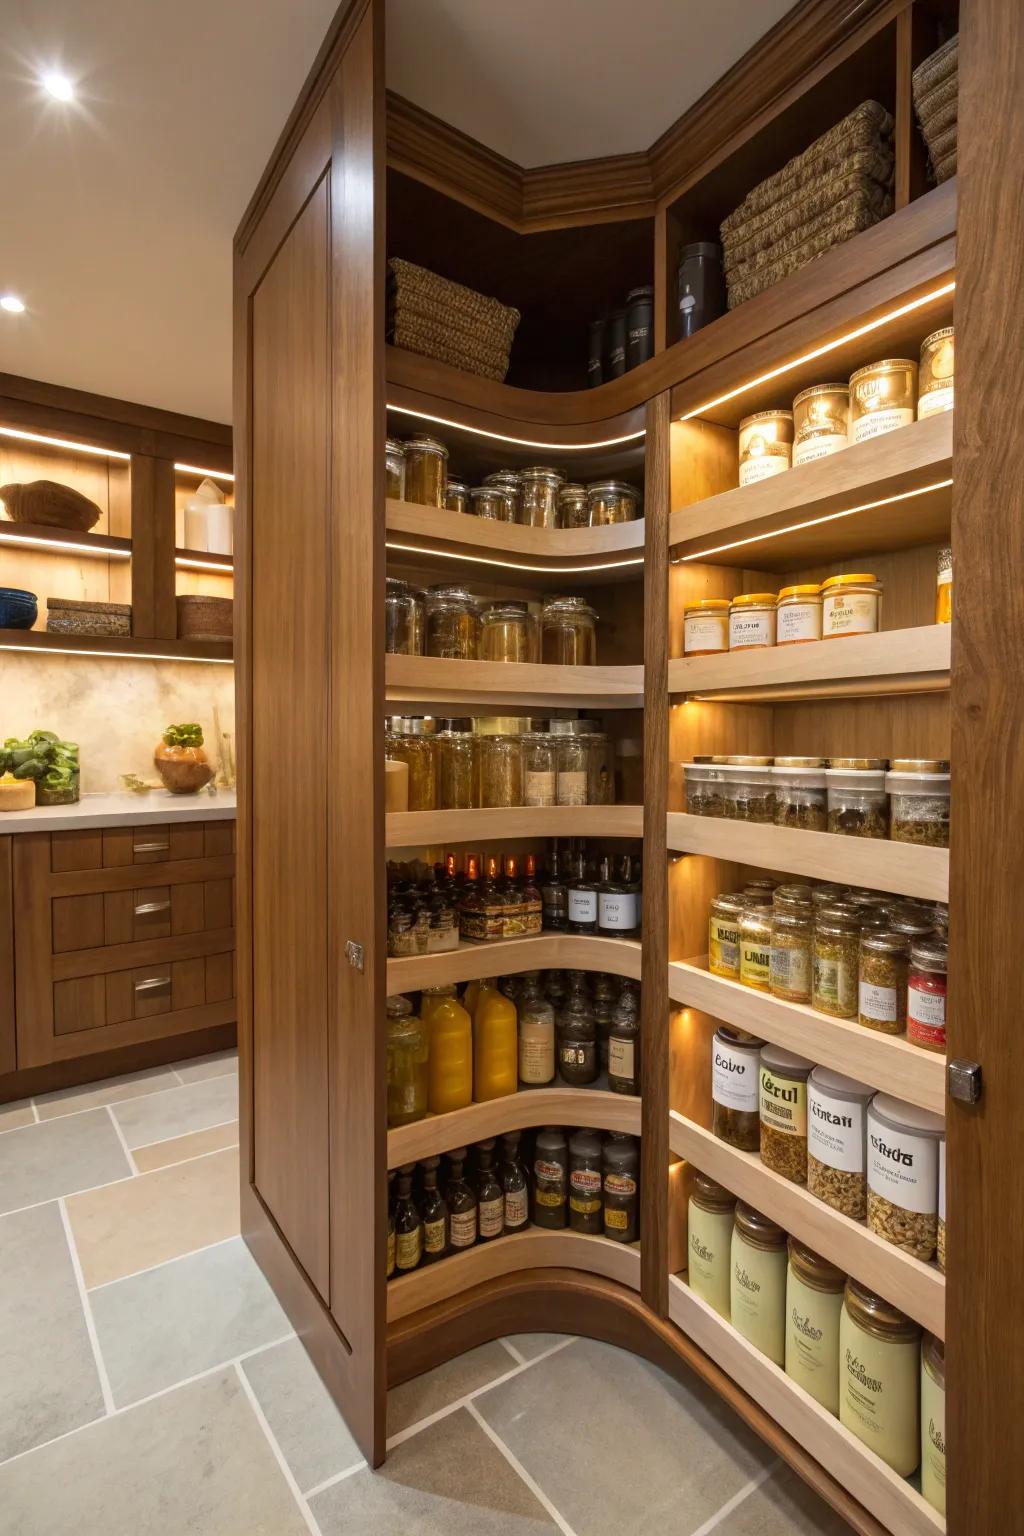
[(153, 984), (157, 847), (964, 1080), (148, 908), (354, 954)]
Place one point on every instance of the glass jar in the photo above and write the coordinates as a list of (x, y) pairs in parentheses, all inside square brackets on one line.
[(735, 1112), (926, 995), (798, 614), (790, 973), (706, 627), (756, 947), (800, 799), (903, 1174), (882, 982), (505, 632), (724, 936), (879, 1362), (837, 1108), (394, 469), (572, 767), (918, 789), (766, 445), (506, 483), (501, 771), (624, 1042), (568, 632), (752, 621), (426, 471), (620, 1171), (940, 1236), (850, 605), (453, 623), (600, 766), (711, 1213), (491, 503), (793, 898), (406, 1063), (536, 1034), (882, 397), (456, 497), (835, 962), (944, 586), (612, 501), (858, 805), (458, 770), (539, 751), (933, 1422), (702, 786), (577, 1035), (572, 506), (935, 392), (757, 1292), (783, 1111), (538, 496), (751, 793), (410, 740), (585, 1205), (821, 420), (403, 618), (814, 1304)]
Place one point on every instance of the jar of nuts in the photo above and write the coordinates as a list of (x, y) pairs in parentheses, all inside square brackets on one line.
[(790, 971), (882, 981), (735, 1063), (834, 968), (837, 1108), (903, 1174), (783, 1111)]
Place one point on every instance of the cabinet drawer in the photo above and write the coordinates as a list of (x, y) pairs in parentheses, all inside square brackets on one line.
[(172, 987), (117, 847), (131, 916)]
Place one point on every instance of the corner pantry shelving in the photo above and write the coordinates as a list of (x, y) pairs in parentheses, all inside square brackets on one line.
[(544, 952), (558, 1105), (417, 829)]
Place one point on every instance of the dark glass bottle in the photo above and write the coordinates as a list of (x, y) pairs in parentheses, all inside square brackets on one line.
[(618, 900), (408, 1226), (577, 1035), (582, 890), (461, 1202), (550, 1178), (555, 989), (390, 1268), (554, 894), (603, 996), (530, 897), (585, 1182), (624, 1042), (513, 1184), (490, 1198), (434, 1214), (620, 1168)]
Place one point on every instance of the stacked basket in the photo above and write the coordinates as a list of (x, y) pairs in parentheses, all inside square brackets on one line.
[(935, 102), (444, 320), (838, 186)]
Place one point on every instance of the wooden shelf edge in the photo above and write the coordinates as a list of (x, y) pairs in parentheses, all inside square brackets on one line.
[(546, 548), (535, 1248), (95, 545), (413, 829), (891, 661), (117, 645), (598, 1107), (547, 951), (426, 679), (185, 558), (886, 1495), (887, 1062), (868, 861), (917, 1289)]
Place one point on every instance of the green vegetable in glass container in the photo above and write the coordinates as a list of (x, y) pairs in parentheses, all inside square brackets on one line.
[(52, 763)]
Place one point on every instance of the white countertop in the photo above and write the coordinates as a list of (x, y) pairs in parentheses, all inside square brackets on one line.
[(124, 809)]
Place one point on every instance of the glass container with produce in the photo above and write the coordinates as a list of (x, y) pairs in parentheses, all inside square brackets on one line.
[(404, 618), (568, 632), (538, 493), (453, 623), (426, 470), (410, 739), (735, 1089), (406, 1063)]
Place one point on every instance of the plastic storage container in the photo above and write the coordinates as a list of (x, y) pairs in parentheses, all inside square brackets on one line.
[(798, 614), (850, 605), (801, 802), (706, 627), (752, 621), (903, 1174), (703, 788), (858, 804), (918, 791), (837, 1128)]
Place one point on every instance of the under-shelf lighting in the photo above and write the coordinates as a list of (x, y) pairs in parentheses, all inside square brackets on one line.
[(213, 474), (12, 304), (63, 442), (812, 522), (822, 351), (515, 565), (519, 442), (25, 540), (68, 650), (187, 563)]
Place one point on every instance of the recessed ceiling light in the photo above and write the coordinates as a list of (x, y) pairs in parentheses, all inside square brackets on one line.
[(12, 304), (58, 85)]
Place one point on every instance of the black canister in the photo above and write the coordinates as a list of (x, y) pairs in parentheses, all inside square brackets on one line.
[(639, 326), (701, 286), (595, 361), (614, 345)]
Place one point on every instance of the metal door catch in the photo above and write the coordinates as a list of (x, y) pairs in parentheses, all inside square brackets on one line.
[(354, 954), (964, 1080)]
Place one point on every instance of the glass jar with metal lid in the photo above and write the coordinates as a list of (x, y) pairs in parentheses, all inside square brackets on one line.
[(568, 632), (821, 420), (757, 1301), (572, 506), (858, 805), (394, 469), (926, 994), (793, 897), (903, 1174), (935, 380), (918, 789), (791, 943), (752, 621), (490, 503), (505, 631), (703, 789), (501, 771), (766, 445), (458, 770), (850, 605), (879, 1362), (882, 981), (710, 1218), (798, 614), (406, 1063), (457, 496), (453, 623), (506, 483), (756, 945), (749, 789), (735, 1065), (837, 1108), (882, 397), (538, 496), (800, 800), (572, 762), (410, 739), (834, 960), (540, 765), (724, 936), (814, 1304), (612, 501), (783, 1110), (403, 618), (600, 764), (706, 627), (426, 470)]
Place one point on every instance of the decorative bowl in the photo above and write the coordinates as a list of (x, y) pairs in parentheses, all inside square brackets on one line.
[(184, 770), (51, 504), (18, 609)]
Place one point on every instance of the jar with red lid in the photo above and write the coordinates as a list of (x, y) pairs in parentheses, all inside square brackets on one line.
[(926, 995)]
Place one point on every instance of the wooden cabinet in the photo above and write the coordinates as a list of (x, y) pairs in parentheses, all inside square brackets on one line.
[(7, 1038)]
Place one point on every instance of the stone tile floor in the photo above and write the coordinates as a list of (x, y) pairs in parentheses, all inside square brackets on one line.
[(150, 1384)]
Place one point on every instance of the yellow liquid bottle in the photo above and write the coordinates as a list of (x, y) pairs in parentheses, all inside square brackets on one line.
[(471, 996), (431, 997), (451, 1057), (495, 1045)]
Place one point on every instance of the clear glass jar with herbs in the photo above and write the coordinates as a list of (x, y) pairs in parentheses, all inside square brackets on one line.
[(572, 506), (783, 1111), (791, 942), (505, 632), (394, 469), (457, 496), (756, 946), (458, 770), (858, 805), (538, 496), (453, 623), (800, 801), (882, 981), (426, 470), (837, 1109), (724, 936), (703, 786), (403, 618), (835, 961), (569, 632), (751, 791), (501, 771), (918, 790), (410, 739), (505, 483), (572, 763)]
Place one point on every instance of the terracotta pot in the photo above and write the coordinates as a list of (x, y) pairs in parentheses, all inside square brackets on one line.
[(184, 770)]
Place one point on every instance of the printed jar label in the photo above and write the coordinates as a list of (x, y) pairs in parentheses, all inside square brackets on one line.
[(773, 459), (734, 1078), (750, 630), (934, 402), (536, 1058), (619, 909), (835, 1132), (572, 788), (578, 1056), (835, 983), (583, 906), (621, 1055), (539, 788), (878, 1002), (807, 449), (784, 1104), (620, 1184), (791, 972), (434, 1236), (492, 1217), (755, 966), (516, 1209), (942, 1179), (705, 632), (798, 621), (926, 1010), (410, 1248), (877, 422), (616, 1220), (463, 1228), (585, 1191), (903, 1167), (849, 613), (723, 947)]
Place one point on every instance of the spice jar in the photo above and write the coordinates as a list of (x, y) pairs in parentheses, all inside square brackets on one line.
[(572, 763), (800, 801), (837, 1108), (458, 755), (501, 771), (612, 501), (724, 936), (858, 805), (821, 421), (505, 632), (752, 621), (406, 1063), (711, 1212), (926, 995), (882, 982), (903, 1174), (798, 614), (577, 1035), (538, 496), (706, 627), (572, 506), (394, 469), (600, 766), (453, 623), (756, 947), (456, 496), (933, 1422), (585, 1206), (410, 740), (550, 1177), (882, 398), (623, 1041), (403, 618), (879, 1362), (506, 483), (536, 1034), (491, 503), (790, 971), (620, 1171), (568, 633), (793, 898), (850, 605), (944, 586), (766, 445), (814, 1304), (757, 1292), (835, 961), (783, 1111), (426, 471), (935, 381), (750, 794), (918, 788), (539, 753), (735, 1065), (940, 1240), (702, 787)]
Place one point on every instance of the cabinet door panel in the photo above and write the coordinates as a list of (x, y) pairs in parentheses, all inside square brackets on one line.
[(79, 1004), (188, 908), (77, 923), (8, 1052)]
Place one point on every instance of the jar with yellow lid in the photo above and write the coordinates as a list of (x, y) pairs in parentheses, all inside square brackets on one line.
[(749, 789), (710, 1220), (426, 470), (798, 614), (850, 605), (706, 627), (879, 1386), (752, 621), (883, 397), (935, 393), (801, 801), (933, 1422), (766, 445), (821, 422), (814, 1305), (757, 1300)]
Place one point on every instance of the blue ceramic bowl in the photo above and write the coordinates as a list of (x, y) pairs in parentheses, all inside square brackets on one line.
[(18, 609)]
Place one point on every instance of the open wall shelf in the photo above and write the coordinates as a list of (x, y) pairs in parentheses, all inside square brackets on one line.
[(139, 646)]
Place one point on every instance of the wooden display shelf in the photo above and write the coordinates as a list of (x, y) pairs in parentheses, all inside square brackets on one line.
[(116, 645), (536, 1248), (890, 1498), (893, 661), (869, 861), (204, 560), (427, 680), (917, 1289), (545, 952), (417, 530), (887, 1062), (64, 541), (890, 493), (417, 829), (557, 1105)]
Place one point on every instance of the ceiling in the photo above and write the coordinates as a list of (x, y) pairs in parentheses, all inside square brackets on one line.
[(119, 208)]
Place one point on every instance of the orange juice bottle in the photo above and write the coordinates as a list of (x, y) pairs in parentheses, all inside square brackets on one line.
[(430, 997), (495, 1044), (450, 1068)]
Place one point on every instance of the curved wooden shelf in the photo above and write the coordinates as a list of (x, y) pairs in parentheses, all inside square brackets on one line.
[(894, 661), (116, 645), (545, 952), (917, 1289), (891, 1498), (888, 1062), (427, 680), (536, 1248), (417, 829), (417, 530), (557, 1105), (868, 861), (64, 541)]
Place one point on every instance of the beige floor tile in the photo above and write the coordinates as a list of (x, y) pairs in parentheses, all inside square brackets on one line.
[(145, 1221), (178, 1148), (109, 1090), (12, 1116), (198, 1068)]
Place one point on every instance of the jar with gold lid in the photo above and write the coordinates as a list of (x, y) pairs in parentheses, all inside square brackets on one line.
[(766, 445), (801, 802), (702, 786), (458, 770), (507, 484), (757, 1299), (814, 1305), (724, 936), (710, 1220), (569, 632), (935, 392), (850, 605), (883, 397), (453, 623), (410, 739), (491, 504), (879, 1388), (918, 789), (538, 496), (505, 628), (572, 506), (403, 618), (821, 420), (612, 501), (749, 789), (394, 469), (501, 771), (752, 621), (835, 961), (426, 470), (798, 614), (457, 496)]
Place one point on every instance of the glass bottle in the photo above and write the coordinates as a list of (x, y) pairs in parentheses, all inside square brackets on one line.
[(577, 1035), (530, 898), (585, 1206), (536, 1035), (450, 1073), (490, 1197), (403, 618), (620, 1172), (618, 901), (461, 1202), (550, 1178), (554, 895), (406, 1063), (624, 1042), (495, 1054), (582, 888), (434, 1214), (430, 997), (603, 997), (392, 1239), (513, 1184), (408, 1226)]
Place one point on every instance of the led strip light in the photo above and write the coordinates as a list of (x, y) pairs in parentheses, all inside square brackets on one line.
[(213, 474), (521, 442), (187, 563), (63, 442), (514, 565), (67, 650), (27, 540)]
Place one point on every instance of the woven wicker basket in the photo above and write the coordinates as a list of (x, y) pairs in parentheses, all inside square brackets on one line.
[(74, 616), (796, 218), (438, 318), (51, 504), (934, 86), (847, 219), (205, 618)]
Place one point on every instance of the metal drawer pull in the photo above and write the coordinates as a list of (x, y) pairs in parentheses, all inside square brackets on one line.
[(153, 984), (147, 908), (162, 847)]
